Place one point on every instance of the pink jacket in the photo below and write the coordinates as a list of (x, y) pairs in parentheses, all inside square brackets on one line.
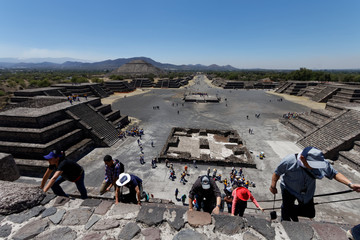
[(236, 199)]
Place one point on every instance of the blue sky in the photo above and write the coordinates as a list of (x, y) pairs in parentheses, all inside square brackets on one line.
[(276, 34)]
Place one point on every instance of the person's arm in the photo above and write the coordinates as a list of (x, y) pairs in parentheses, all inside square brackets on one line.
[(341, 178), (45, 177), (117, 192), (216, 210), (255, 202), (138, 194), (52, 180), (191, 206), (234, 202), (274, 180)]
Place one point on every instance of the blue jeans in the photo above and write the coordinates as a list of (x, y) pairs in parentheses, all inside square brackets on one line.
[(79, 184)]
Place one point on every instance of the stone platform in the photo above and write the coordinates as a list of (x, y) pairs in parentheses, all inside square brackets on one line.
[(218, 147)]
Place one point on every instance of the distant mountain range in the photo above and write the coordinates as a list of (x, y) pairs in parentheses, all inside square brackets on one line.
[(73, 64)]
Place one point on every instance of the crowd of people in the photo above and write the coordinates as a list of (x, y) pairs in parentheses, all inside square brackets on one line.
[(293, 115)]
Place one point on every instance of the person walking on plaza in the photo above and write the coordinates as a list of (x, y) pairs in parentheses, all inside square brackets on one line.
[(134, 184), (113, 168), (239, 203), (183, 199), (207, 195), (300, 172), (176, 193), (64, 170)]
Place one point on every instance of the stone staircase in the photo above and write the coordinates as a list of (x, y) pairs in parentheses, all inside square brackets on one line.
[(99, 92), (283, 87), (325, 94), (119, 86), (97, 122), (346, 95), (351, 157), (335, 135)]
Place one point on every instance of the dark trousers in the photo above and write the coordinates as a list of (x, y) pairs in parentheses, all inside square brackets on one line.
[(291, 212), (207, 205), (79, 184), (240, 208)]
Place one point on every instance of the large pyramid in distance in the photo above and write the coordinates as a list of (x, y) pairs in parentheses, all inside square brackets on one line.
[(136, 67)]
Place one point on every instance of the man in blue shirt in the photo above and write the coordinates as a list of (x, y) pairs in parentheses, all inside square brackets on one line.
[(113, 168), (299, 172)]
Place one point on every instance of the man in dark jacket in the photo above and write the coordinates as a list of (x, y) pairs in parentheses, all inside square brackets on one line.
[(207, 195), (65, 170)]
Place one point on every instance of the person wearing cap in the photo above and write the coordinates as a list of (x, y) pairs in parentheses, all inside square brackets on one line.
[(207, 195), (113, 168), (134, 184), (240, 197), (299, 172), (64, 170)]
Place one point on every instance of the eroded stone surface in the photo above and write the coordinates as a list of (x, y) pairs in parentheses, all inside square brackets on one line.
[(16, 197), (5, 230), (60, 201), (105, 224), (151, 215), (77, 216), (262, 226), (48, 198), (48, 212), (7, 162), (175, 217), (64, 233), (188, 234), (57, 217), (125, 211), (103, 207), (250, 236), (23, 217), (129, 231), (94, 236), (298, 230), (91, 202), (151, 234), (31, 229), (229, 225), (329, 231), (197, 219), (92, 221)]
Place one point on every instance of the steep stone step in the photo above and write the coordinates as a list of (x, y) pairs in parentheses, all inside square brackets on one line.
[(350, 158)]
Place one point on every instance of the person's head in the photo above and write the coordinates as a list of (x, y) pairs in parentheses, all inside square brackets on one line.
[(53, 157), (205, 182), (108, 161), (124, 178), (312, 157), (243, 193)]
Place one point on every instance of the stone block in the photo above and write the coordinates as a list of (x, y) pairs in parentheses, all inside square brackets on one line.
[(188, 234), (106, 224), (48, 198), (91, 222), (31, 229), (5, 230), (329, 231), (125, 211), (48, 212), (91, 202), (151, 234), (229, 225), (64, 233), (57, 217), (151, 215), (129, 231), (175, 217), (16, 197), (103, 207), (12, 172), (25, 216), (298, 230), (77, 217), (93, 236), (250, 236), (205, 157), (197, 218), (262, 226), (60, 201)]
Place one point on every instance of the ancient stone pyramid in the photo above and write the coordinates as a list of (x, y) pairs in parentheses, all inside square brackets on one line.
[(137, 67)]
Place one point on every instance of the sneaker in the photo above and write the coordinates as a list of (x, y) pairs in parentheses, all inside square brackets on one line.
[(349, 235)]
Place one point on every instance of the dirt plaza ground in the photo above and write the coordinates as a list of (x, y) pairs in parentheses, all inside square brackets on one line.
[(269, 136)]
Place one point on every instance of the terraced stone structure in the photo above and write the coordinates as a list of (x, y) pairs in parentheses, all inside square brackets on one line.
[(30, 130), (206, 146)]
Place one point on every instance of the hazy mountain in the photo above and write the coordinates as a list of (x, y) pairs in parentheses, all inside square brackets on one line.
[(73, 64)]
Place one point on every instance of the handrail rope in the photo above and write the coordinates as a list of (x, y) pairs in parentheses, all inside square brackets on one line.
[(319, 195)]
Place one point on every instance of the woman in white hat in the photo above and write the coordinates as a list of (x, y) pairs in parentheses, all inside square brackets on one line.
[(134, 184)]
